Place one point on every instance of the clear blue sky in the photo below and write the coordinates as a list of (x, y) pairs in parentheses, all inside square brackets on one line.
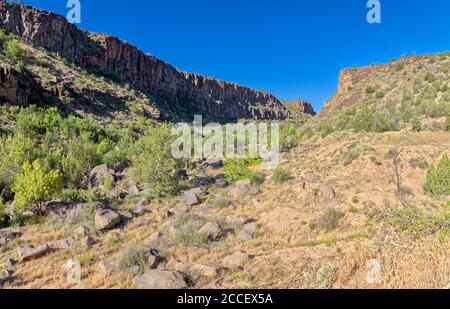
[(291, 48)]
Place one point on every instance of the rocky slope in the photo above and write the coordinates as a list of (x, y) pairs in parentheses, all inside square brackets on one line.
[(300, 105), (111, 56), (414, 87)]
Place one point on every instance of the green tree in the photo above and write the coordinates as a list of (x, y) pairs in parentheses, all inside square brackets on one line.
[(153, 162), (438, 178), (35, 185)]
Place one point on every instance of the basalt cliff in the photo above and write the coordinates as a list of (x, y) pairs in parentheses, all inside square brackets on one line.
[(111, 56)]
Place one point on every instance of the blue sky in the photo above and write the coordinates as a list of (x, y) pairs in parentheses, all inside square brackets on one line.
[(291, 48)]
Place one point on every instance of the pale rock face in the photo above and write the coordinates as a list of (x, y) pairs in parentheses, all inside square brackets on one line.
[(161, 279)]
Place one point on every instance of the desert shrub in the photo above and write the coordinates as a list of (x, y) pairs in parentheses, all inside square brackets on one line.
[(438, 178), (80, 157), (257, 178), (325, 130), (400, 67), (289, 136), (306, 133), (370, 89), (35, 185), (14, 52), (447, 124), (153, 162), (416, 124), (330, 219), (419, 162), (354, 151), (238, 169), (134, 256), (429, 77), (280, 175), (187, 231), (380, 95)]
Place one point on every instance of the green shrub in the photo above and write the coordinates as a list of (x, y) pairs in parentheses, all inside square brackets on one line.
[(280, 175), (257, 178), (325, 130), (429, 77), (14, 152), (370, 89), (306, 133), (35, 185), (330, 219), (380, 95), (134, 256), (400, 67), (14, 52), (438, 178), (289, 136), (447, 124), (238, 169), (416, 124), (419, 162), (3, 217), (153, 162)]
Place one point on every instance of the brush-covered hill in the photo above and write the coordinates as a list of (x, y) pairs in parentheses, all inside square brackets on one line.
[(411, 93)]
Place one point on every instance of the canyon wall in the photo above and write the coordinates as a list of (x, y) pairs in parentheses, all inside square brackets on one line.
[(110, 55)]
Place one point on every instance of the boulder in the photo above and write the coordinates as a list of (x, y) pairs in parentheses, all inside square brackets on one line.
[(82, 231), (213, 285), (161, 279), (328, 192), (106, 219), (138, 211), (211, 230), (181, 174), (27, 253), (374, 269), (109, 267), (221, 183), (205, 270), (193, 197), (63, 244), (236, 220), (143, 202), (239, 191), (244, 236), (99, 172), (119, 167), (251, 227), (176, 266), (87, 242), (7, 236), (236, 260)]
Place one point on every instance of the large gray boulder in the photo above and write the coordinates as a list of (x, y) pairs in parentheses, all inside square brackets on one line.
[(106, 219), (236, 260), (210, 230), (193, 197), (161, 279), (100, 172), (28, 253)]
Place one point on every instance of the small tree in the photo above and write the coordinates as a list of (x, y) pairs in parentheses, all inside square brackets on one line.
[(35, 185), (438, 178), (14, 52)]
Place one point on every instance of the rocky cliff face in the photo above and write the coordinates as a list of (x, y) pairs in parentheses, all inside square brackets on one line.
[(109, 55), (301, 105)]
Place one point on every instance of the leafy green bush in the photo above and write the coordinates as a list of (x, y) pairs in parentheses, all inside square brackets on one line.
[(447, 124), (289, 136), (416, 124), (14, 52), (438, 178), (35, 185), (306, 133), (153, 162), (380, 95), (429, 77), (280, 175), (238, 169), (14, 152)]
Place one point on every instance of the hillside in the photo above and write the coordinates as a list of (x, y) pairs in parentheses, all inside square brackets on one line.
[(410, 93)]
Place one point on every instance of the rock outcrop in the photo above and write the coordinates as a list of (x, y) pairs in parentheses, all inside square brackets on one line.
[(109, 55), (301, 105)]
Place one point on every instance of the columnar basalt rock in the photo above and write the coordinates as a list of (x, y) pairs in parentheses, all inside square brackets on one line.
[(110, 55)]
